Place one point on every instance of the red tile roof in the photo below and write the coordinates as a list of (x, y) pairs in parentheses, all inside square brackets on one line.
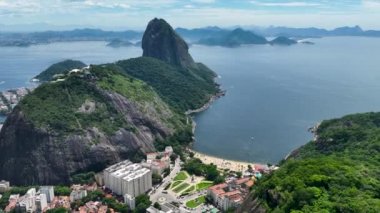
[(249, 183)]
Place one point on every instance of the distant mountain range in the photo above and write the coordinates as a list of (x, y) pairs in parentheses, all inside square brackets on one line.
[(234, 38), (27, 39), (315, 32), (202, 33), (207, 35)]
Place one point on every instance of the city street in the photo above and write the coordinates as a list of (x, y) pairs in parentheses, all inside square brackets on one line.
[(158, 195)]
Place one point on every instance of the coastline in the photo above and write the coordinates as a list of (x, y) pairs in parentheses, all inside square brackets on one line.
[(206, 105), (221, 163), (312, 130)]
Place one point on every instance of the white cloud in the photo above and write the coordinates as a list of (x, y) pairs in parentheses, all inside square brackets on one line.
[(371, 5), (189, 13), (204, 1), (285, 4), (106, 5), (189, 6)]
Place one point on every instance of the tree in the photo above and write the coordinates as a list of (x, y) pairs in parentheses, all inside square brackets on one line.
[(142, 203), (157, 206), (250, 168), (166, 172), (173, 157), (57, 210), (239, 174), (156, 178), (219, 179), (62, 190)]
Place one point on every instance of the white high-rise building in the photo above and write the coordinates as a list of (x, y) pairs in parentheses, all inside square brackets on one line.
[(41, 202), (27, 203), (48, 191), (128, 178)]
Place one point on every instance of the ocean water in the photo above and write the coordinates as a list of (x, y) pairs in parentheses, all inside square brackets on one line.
[(274, 94), (18, 64)]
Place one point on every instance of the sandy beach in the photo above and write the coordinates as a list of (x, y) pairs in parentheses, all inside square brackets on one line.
[(238, 166)]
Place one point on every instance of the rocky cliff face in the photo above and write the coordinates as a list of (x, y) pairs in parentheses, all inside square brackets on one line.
[(33, 152), (162, 42)]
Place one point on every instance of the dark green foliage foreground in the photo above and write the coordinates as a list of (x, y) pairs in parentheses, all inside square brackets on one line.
[(59, 68), (338, 173)]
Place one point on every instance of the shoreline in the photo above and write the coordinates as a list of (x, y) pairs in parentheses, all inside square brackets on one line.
[(206, 105), (221, 163)]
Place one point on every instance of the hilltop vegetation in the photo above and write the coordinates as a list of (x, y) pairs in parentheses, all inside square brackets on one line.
[(180, 87), (59, 68), (78, 93), (52, 114), (337, 173)]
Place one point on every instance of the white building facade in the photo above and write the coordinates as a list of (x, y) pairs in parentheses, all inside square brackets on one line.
[(128, 178)]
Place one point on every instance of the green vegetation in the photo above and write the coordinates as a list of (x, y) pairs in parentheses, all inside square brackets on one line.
[(98, 195), (188, 190), (195, 166), (83, 178), (338, 173), (59, 68), (175, 184), (156, 178), (110, 78), (196, 202), (62, 191), (181, 176), (58, 210), (181, 187), (178, 140), (44, 107), (142, 203), (116, 205), (204, 185), (182, 88)]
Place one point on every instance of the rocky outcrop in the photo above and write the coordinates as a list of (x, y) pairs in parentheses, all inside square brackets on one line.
[(162, 42), (31, 155), (103, 114)]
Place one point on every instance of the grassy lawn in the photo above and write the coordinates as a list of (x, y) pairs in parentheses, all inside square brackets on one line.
[(181, 176), (196, 202), (190, 189), (204, 185), (175, 184), (181, 187)]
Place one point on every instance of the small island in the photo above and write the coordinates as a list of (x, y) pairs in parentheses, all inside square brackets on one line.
[(235, 38), (283, 41), (115, 43)]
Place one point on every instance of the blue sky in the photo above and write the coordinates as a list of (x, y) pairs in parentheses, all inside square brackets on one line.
[(134, 14)]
